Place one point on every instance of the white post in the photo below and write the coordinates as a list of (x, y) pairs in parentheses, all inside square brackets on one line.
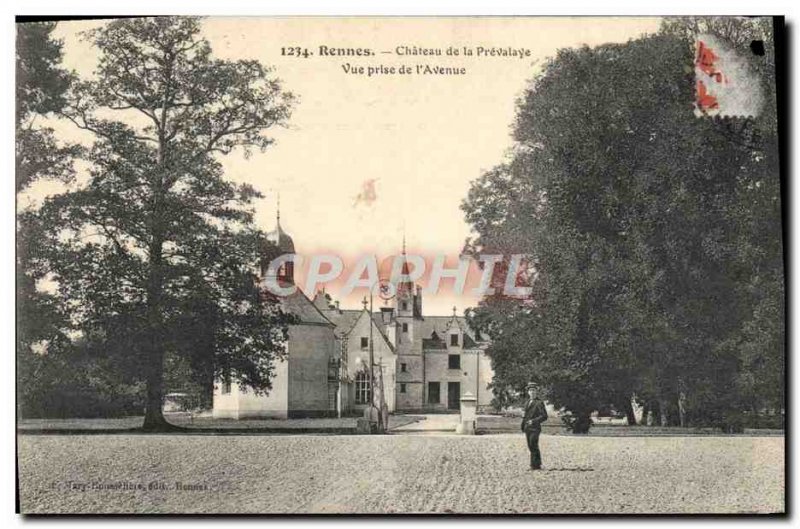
[(469, 416)]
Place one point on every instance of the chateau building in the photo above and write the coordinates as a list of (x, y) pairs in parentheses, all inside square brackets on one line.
[(422, 363)]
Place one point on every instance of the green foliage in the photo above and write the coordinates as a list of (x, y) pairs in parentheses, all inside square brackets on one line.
[(41, 86), (40, 81), (40, 89), (648, 228), (157, 254), (74, 380)]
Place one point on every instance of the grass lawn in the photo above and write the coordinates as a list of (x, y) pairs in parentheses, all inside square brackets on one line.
[(488, 424), (316, 425)]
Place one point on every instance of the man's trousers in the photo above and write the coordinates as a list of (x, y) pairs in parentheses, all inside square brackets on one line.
[(533, 446)]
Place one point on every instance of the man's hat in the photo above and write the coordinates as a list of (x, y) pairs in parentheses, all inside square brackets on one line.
[(532, 385)]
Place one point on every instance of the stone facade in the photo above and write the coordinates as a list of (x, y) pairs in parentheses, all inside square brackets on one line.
[(353, 336), (306, 381), (428, 362), (422, 363), (304, 384)]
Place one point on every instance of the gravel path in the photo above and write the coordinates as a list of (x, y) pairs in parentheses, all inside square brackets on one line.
[(387, 474)]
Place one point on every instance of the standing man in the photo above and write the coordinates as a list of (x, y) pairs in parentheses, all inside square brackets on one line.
[(535, 415)]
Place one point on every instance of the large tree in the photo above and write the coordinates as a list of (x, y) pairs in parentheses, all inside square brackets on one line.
[(156, 254), (41, 85), (639, 218), (755, 352)]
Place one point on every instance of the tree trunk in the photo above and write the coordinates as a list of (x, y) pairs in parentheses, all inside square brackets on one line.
[(629, 413), (154, 413), (154, 420)]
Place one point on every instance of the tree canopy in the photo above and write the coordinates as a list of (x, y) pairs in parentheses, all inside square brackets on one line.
[(157, 254), (655, 236)]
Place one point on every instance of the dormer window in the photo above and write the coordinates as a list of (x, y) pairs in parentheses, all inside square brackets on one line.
[(454, 340), (364, 342)]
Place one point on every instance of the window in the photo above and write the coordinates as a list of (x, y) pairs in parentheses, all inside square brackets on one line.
[(403, 368), (226, 383), (364, 342), (362, 388), (402, 388), (453, 361), (405, 327), (454, 339), (404, 306), (433, 393)]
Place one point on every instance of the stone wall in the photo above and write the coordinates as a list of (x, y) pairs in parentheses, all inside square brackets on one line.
[(243, 403), (473, 375), (310, 350), (358, 358)]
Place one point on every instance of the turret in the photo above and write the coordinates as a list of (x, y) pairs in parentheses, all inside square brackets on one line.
[(278, 243)]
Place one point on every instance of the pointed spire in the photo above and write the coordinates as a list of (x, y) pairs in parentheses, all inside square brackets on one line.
[(405, 288), (278, 209), (364, 302)]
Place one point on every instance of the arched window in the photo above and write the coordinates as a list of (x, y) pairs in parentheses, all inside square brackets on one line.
[(362, 388)]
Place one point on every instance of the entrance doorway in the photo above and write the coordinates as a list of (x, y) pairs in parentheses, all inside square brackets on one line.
[(453, 395)]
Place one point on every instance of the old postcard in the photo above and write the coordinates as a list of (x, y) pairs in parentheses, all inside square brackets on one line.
[(467, 265)]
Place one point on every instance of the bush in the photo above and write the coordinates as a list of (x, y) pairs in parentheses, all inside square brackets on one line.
[(63, 386), (578, 423)]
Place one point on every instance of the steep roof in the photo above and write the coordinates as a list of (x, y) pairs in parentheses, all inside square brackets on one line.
[(432, 328), (377, 317), (299, 305), (345, 320), (439, 324), (469, 343), (280, 238), (378, 322), (434, 342)]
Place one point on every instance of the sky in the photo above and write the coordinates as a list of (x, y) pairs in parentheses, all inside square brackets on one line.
[(421, 139)]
